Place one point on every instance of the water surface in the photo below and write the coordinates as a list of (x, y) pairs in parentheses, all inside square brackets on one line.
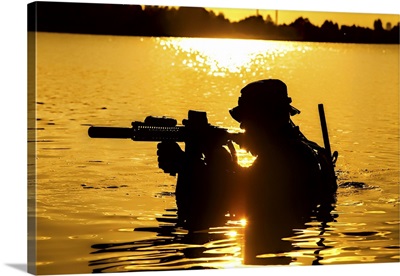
[(103, 205)]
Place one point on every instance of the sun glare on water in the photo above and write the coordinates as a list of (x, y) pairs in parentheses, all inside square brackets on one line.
[(245, 159), (221, 56)]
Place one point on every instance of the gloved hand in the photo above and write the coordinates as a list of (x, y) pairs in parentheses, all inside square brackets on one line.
[(170, 157)]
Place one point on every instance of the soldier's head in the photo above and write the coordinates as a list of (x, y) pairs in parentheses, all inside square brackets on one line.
[(264, 103)]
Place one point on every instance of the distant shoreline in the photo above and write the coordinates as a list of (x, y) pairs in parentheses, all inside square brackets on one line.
[(154, 21)]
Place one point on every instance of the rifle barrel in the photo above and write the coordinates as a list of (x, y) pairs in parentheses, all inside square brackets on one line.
[(140, 132)]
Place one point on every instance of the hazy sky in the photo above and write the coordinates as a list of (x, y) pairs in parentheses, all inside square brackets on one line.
[(316, 18), (344, 12)]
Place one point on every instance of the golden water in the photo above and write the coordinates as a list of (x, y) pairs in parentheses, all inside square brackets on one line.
[(92, 193)]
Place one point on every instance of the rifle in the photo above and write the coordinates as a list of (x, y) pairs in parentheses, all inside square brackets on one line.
[(195, 131)]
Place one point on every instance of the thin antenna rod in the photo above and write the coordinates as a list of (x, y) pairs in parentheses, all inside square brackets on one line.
[(324, 129)]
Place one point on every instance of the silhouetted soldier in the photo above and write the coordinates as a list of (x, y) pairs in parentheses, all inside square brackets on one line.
[(291, 181)]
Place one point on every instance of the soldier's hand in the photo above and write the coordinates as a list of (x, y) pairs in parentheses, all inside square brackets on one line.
[(170, 157)]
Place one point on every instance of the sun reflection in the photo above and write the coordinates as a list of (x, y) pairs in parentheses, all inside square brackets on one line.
[(218, 57), (232, 234), (245, 159)]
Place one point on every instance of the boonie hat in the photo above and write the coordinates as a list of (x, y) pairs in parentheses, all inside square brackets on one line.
[(266, 97)]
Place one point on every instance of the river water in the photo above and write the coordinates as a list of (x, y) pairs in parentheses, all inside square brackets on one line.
[(104, 206)]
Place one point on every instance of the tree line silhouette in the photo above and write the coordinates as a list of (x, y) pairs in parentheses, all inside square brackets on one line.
[(137, 20)]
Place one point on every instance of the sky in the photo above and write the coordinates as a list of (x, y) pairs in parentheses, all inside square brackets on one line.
[(316, 18), (361, 13)]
